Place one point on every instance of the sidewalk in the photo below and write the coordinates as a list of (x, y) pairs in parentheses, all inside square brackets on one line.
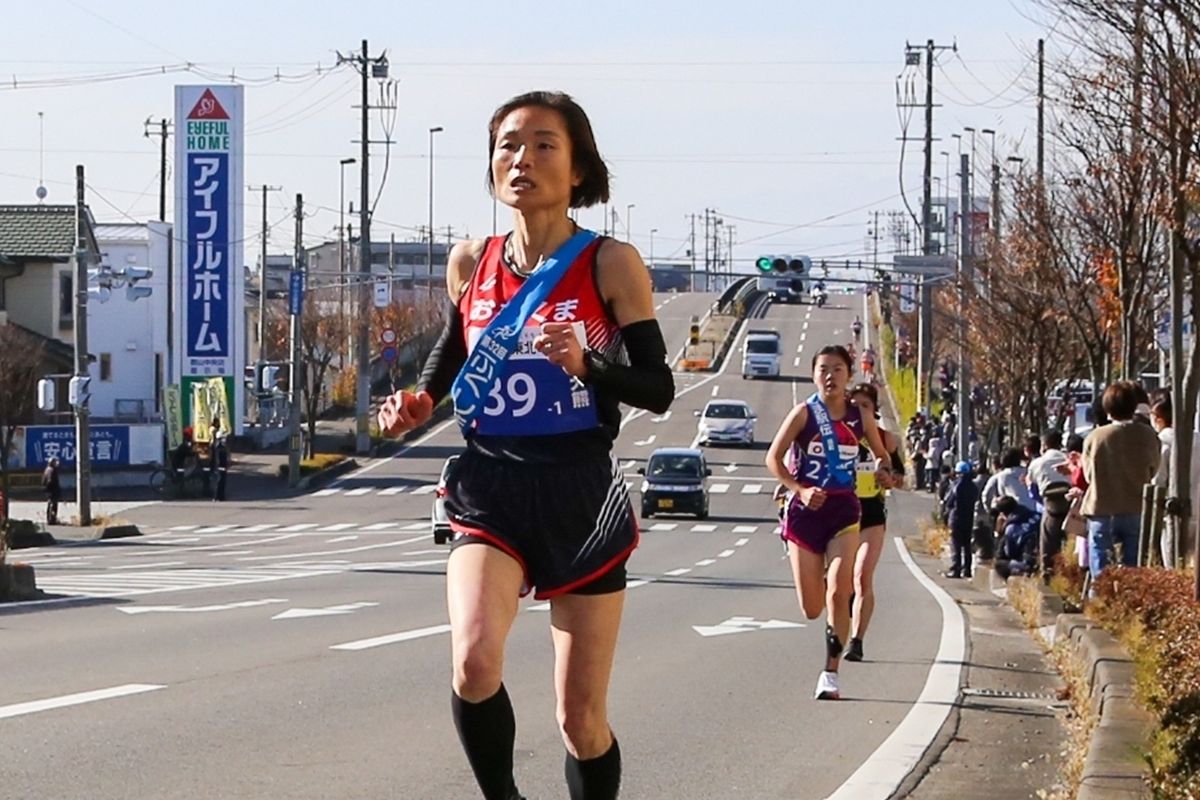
[(1003, 737)]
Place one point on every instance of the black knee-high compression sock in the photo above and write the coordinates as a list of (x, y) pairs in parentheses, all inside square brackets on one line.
[(833, 645), (487, 731), (596, 778)]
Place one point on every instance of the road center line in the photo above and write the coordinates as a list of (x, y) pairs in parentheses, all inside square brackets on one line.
[(80, 698)]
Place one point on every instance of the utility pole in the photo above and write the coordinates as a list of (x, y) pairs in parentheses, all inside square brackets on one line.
[(729, 264), (925, 328), (429, 249), (966, 275), (163, 132), (83, 441), (1041, 118), (299, 264), (707, 268), (262, 305), (692, 251), (367, 67)]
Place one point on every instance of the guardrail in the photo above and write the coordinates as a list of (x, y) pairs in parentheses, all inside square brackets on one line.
[(736, 291)]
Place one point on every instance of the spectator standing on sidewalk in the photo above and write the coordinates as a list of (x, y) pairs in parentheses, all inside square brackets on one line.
[(53, 490), (218, 459), (959, 512), (919, 467), (1118, 460), (1048, 474), (1161, 417), (1009, 481)]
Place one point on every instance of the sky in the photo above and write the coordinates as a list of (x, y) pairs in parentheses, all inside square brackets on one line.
[(781, 117)]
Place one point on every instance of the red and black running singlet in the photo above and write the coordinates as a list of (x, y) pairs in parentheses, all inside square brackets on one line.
[(532, 396)]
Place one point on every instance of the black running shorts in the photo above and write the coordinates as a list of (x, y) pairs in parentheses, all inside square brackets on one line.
[(571, 525), (874, 512)]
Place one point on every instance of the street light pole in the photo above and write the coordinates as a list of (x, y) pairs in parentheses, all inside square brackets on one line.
[(652, 232), (628, 221), (429, 249)]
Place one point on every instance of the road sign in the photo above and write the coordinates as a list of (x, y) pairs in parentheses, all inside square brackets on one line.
[(388, 336), (389, 354), (295, 292), (383, 292), (928, 266), (908, 294)]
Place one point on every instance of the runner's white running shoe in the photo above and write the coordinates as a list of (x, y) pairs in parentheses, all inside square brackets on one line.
[(827, 687)]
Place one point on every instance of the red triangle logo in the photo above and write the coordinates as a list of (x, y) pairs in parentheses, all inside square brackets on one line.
[(207, 107)]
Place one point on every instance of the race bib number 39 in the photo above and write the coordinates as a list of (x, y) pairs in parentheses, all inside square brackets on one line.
[(533, 397)]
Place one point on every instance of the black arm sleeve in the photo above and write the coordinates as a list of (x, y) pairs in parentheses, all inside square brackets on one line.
[(646, 382), (446, 358), (897, 462)]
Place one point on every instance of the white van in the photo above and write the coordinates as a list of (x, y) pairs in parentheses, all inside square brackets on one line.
[(760, 354)]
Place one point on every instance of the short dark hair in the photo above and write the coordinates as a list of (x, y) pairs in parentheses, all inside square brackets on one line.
[(1120, 400), (1074, 443), (1033, 444), (1162, 409), (835, 350), (869, 390), (1011, 458), (1052, 440), (585, 156)]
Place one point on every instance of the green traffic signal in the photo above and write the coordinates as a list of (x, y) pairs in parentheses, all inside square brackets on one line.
[(763, 263)]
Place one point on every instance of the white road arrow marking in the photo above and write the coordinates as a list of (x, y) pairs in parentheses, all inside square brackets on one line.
[(744, 625), (328, 611), (647, 441), (731, 467), (198, 609), (666, 416), (628, 464)]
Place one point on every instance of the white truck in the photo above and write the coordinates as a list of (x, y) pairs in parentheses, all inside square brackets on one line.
[(761, 352)]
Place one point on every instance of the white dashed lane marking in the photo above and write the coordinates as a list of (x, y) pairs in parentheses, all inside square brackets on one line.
[(752, 488), (675, 573), (718, 488)]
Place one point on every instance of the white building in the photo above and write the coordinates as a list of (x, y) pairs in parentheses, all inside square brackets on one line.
[(128, 338)]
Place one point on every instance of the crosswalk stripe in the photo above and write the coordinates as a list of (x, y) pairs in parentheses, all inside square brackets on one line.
[(416, 526), (340, 526), (325, 492), (359, 492), (664, 526), (752, 488), (303, 526), (184, 528), (128, 584), (391, 490), (426, 489), (745, 528), (379, 526), (257, 528), (718, 488), (703, 528), (215, 528)]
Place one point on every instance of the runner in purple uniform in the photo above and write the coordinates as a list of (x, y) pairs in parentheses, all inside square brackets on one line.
[(821, 523)]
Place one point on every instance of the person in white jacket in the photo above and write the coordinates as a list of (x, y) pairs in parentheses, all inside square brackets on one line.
[(1162, 417)]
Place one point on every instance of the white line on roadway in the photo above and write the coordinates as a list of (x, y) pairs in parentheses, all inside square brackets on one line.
[(325, 492), (718, 488), (703, 528), (647, 441), (664, 526), (337, 539), (665, 416), (715, 390), (796, 361), (752, 488), (725, 553), (80, 698), (393, 638), (740, 542), (303, 526), (708, 562), (341, 551), (426, 489), (153, 564), (675, 573), (360, 491), (745, 529), (391, 490), (185, 527), (379, 526), (337, 526), (364, 470), (883, 771)]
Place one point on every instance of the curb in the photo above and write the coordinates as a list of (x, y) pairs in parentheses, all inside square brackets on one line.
[(1115, 766), (309, 481)]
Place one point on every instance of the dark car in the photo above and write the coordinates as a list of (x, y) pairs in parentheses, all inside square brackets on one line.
[(676, 483), (442, 533)]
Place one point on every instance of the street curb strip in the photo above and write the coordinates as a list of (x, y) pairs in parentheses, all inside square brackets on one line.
[(309, 481), (1115, 765)]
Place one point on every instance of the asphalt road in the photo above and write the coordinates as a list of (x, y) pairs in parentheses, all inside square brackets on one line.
[(297, 648)]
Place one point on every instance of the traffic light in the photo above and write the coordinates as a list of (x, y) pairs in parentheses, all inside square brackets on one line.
[(133, 293), (132, 275), (800, 264), (779, 264), (763, 263), (694, 332), (79, 391), (267, 376)]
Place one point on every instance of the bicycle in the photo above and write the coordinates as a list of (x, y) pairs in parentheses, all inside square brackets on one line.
[(185, 482)]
